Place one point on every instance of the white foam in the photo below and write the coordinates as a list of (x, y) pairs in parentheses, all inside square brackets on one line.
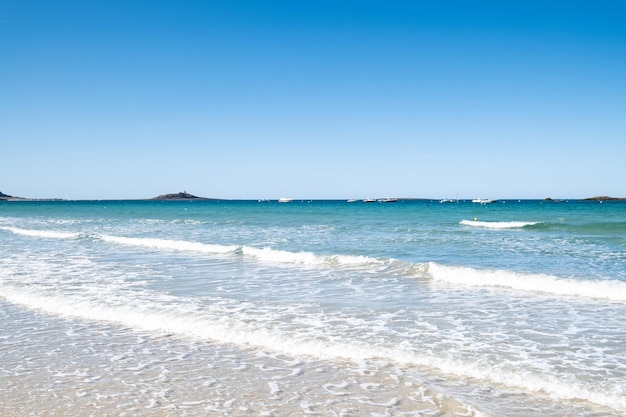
[(612, 396), (282, 256), (497, 225), (261, 254), (605, 289), (50, 234), (351, 260), (229, 329), (307, 258), (180, 245)]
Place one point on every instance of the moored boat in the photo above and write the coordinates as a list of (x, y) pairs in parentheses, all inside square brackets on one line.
[(483, 200)]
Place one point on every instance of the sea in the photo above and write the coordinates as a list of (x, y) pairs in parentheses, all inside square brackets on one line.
[(313, 307)]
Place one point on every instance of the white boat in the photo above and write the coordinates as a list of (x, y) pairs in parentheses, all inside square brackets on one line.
[(369, 200), (483, 200), (285, 200), (450, 200), (352, 200), (387, 200)]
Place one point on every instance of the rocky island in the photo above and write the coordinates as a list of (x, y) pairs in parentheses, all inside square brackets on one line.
[(180, 196), (604, 198)]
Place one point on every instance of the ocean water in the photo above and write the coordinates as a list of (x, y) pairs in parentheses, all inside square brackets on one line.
[(329, 308)]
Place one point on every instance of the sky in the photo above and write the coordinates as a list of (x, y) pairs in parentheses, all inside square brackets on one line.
[(123, 99)]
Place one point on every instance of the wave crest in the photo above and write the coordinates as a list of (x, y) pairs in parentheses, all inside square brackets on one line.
[(604, 289), (181, 245), (261, 254), (50, 234), (497, 225)]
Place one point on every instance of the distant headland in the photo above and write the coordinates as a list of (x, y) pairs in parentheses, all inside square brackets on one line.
[(174, 196), (604, 198), (9, 197), (180, 196)]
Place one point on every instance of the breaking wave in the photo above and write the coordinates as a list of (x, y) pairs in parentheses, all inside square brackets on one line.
[(497, 225), (267, 254), (50, 234), (613, 290)]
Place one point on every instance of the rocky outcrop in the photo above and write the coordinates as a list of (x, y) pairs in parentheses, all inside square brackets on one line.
[(179, 196), (604, 198)]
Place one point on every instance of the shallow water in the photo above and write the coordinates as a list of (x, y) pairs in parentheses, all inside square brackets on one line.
[(323, 307)]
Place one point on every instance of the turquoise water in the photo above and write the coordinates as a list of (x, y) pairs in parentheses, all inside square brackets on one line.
[(263, 308)]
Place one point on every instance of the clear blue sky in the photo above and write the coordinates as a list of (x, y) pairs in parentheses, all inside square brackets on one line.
[(313, 99)]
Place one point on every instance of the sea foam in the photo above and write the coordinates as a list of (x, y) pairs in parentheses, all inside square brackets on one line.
[(187, 322), (50, 234), (604, 289), (167, 244), (497, 225), (269, 255)]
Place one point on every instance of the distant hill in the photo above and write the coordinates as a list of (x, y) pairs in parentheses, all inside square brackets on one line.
[(180, 196), (9, 197)]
